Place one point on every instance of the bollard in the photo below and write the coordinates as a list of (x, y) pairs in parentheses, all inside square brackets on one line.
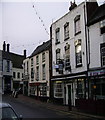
[(69, 105)]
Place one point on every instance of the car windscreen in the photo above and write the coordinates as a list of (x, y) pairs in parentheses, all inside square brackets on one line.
[(9, 114)]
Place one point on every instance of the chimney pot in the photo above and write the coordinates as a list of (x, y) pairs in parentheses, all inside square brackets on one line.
[(4, 46), (24, 53), (8, 47)]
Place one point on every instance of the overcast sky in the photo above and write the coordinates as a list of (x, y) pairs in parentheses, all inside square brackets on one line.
[(25, 26)]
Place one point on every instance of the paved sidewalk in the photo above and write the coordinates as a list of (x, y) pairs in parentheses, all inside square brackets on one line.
[(55, 107)]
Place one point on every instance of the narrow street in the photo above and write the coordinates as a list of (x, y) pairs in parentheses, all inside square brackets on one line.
[(30, 111)]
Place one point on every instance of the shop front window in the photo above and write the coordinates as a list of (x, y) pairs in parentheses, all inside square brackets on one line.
[(43, 90), (97, 89), (80, 88), (32, 90), (58, 90)]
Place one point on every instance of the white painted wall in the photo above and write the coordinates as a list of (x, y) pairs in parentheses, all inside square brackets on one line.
[(69, 17), (16, 70), (25, 67), (95, 40), (40, 69), (5, 68), (0, 75)]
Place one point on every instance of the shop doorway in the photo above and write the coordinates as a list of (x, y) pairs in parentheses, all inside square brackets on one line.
[(69, 95)]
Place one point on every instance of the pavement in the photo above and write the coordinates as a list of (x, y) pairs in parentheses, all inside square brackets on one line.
[(56, 107)]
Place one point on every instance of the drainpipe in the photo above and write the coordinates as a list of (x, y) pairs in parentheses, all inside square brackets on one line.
[(86, 38)]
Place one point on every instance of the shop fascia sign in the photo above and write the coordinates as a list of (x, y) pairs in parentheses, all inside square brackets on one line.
[(95, 73)]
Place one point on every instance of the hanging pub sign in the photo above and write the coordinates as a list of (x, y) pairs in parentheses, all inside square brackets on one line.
[(96, 73)]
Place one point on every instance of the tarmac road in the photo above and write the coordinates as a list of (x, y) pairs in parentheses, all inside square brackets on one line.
[(35, 111)]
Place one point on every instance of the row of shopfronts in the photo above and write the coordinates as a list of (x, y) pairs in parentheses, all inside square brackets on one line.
[(85, 90), (83, 85)]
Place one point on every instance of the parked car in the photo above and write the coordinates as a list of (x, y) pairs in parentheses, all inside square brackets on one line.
[(8, 113)]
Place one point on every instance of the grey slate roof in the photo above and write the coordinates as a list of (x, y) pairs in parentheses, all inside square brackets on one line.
[(16, 59), (98, 15), (41, 48)]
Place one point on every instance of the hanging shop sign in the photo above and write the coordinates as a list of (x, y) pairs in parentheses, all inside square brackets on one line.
[(96, 73)]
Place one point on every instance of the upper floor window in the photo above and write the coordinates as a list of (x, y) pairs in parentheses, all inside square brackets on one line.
[(32, 61), (57, 35), (66, 31), (37, 73), (14, 75), (43, 57), (27, 66), (32, 73), (22, 75), (78, 53), (103, 54), (77, 24), (67, 57), (8, 66), (37, 60), (18, 75), (57, 55), (59, 62), (24, 67), (102, 26), (43, 72)]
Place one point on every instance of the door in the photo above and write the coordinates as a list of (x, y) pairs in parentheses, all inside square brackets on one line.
[(69, 94)]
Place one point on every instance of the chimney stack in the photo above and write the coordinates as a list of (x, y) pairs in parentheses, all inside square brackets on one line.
[(24, 53), (4, 46), (72, 5), (8, 47)]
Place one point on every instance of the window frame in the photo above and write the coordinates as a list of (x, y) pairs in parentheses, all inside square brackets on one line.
[(37, 73), (43, 72), (8, 66), (101, 47), (67, 57), (18, 75), (37, 60), (78, 55), (57, 36), (102, 26), (32, 74), (14, 74), (77, 25), (58, 51), (32, 62), (66, 31), (58, 90), (43, 57)]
